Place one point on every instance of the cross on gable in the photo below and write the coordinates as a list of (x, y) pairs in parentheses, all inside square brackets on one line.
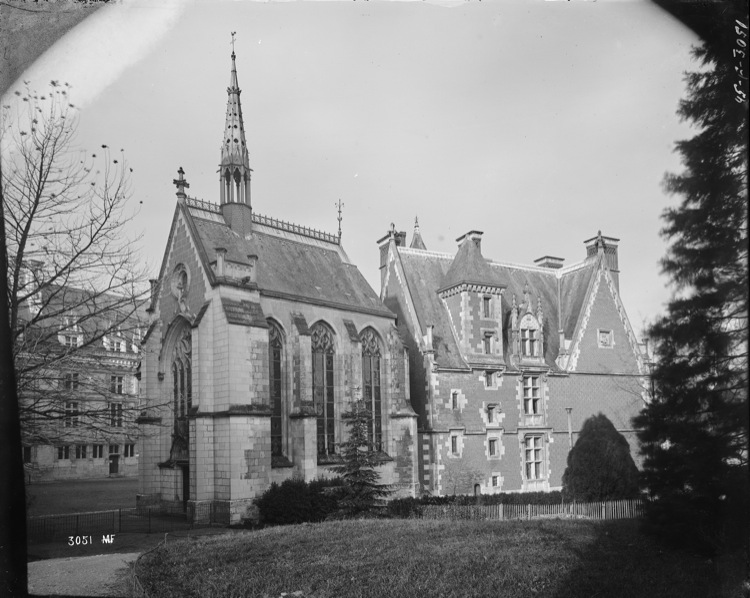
[(181, 183)]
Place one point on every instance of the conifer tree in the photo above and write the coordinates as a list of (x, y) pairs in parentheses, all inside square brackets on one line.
[(694, 431), (600, 466), (359, 462)]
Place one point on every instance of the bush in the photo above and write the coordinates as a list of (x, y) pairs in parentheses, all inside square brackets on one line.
[(600, 466), (404, 508), (296, 501)]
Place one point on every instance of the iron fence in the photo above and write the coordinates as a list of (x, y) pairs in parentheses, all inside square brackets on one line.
[(137, 520)]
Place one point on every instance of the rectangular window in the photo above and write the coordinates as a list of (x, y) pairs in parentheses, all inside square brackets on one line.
[(531, 396), (70, 381), (115, 415), (488, 379), (454, 445), (97, 451), (533, 457), (495, 481), (71, 341), (27, 454), (118, 346), (493, 447), (71, 414), (80, 451), (529, 342), (114, 449), (454, 400), (63, 452), (116, 384), (486, 307), (488, 344), (491, 414), (130, 450)]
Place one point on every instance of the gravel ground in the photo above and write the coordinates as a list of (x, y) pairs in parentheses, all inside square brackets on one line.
[(100, 575)]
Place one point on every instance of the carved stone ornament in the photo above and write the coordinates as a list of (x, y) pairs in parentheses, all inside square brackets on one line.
[(180, 284)]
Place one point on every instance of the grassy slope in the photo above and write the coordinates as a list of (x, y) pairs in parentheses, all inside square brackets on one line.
[(379, 558)]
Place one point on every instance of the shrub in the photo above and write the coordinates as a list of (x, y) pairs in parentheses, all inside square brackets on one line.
[(296, 501), (600, 466)]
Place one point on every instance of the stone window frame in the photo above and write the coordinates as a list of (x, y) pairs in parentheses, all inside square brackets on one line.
[(539, 454), (114, 450), (276, 340), (487, 306), (610, 344), (534, 400), (116, 415), (489, 379), (97, 451), (323, 335), (80, 451), (72, 414), (129, 450), (63, 452), (492, 447), (494, 481), (529, 337), (454, 400), (372, 353)]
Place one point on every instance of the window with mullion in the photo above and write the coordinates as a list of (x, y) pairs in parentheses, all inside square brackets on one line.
[(323, 389), (531, 395), (533, 457), (274, 354), (371, 386)]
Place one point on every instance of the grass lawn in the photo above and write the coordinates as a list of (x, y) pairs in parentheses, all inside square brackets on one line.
[(413, 558), (78, 496)]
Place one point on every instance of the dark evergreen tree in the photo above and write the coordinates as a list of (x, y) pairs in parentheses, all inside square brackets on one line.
[(360, 459), (694, 431), (600, 466)]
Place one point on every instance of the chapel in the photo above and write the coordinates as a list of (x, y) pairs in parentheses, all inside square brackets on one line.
[(262, 334)]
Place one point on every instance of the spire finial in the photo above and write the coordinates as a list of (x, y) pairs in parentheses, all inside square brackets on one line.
[(233, 34), (340, 205), (181, 184), (416, 223)]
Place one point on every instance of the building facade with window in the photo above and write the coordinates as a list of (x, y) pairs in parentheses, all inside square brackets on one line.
[(77, 377), (507, 360), (263, 333)]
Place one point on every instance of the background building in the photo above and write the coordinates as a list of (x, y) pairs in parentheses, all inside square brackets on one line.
[(77, 371), (507, 361)]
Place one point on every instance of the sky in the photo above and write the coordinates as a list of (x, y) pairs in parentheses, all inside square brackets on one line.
[(538, 123)]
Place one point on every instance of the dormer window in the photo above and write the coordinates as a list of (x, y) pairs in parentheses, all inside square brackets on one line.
[(486, 305), (529, 342)]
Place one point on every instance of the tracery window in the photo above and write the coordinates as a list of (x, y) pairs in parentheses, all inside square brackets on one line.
[(322, 353), (371, 385), (275, 347), (182, 393)]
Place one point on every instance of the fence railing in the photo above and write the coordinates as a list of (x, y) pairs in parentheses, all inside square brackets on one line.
[(138, 520), (615, 509)]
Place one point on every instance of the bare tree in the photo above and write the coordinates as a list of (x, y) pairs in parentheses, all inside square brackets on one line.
[(75, 284)]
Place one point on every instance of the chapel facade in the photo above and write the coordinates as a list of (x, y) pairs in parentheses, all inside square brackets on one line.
[(262, 335), (507, 361)]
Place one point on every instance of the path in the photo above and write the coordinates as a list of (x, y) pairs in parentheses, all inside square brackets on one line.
[(100, 575)]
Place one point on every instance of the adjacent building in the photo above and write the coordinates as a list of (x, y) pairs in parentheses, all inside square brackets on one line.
[(77, 359), (508, 360)]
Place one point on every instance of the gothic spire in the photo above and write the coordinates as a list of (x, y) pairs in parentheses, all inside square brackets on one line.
[(416, 239), (234, 170)]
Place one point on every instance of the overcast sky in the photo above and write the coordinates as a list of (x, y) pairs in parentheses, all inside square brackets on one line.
[(539, 123)]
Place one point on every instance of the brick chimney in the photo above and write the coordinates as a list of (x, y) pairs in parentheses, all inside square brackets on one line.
[(608, 247)]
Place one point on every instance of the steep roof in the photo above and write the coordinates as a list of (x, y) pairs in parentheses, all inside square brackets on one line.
[(562, 293), (299, 265)]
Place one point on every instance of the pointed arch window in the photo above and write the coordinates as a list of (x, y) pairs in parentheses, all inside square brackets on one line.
[(275, 352), (371, 385), (182, 389), (323, 395)]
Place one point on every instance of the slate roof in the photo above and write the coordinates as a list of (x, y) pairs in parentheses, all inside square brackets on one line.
[(288, 265), (562, 293)]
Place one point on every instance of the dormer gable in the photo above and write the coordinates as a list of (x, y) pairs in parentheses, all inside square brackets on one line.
[(527, 331), (472, 296)]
